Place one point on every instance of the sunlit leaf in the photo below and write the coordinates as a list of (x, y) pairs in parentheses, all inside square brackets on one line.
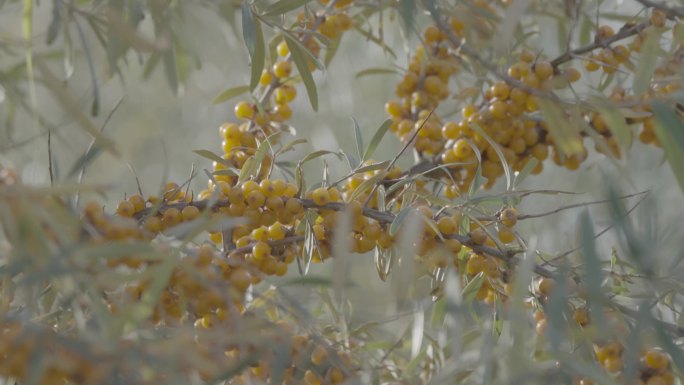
[(302, 64)]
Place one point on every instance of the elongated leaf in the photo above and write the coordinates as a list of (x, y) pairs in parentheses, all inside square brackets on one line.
[(331, 51), (367, 185), (229, 94), (565, 135), (648, 59), (299, 57), (670, 132), (473, 286), (375, 71), (377, 137), (502, 158), (408, 12), (372, 167), (290, 145), (617, 125), (212, 156), (527, 169), (359, 138), (254, 40), (398, 220), (283, 6)]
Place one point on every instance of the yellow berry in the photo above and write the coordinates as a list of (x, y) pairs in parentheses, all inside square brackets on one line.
[(283, 49), (261, 250), (282, 69), (189, 213), (244, 110), (125, 209), (320, 196)]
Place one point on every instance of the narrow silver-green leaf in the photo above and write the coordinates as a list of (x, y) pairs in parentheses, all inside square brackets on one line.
[(299, 57), (283, 6), (377, 137), (229, 94), (648, 59), (376, 71), (212, 156), (359, 138), (670, 132), (396, 223)]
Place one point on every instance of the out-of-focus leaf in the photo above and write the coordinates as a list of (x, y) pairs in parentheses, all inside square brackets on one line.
[(299, 57), (55, 22), (375, 71), (71, 106), (367, 185), (377, 137), (230, 93), (212, 156), (565, 134), (170, 70), (648, 59), (373, 167), (473, 286), (359, 138), (617, 125), (126, 33), (502, 158), (253, 35), (290, 145), (527, 169), (408, 11), (398, 220), (670, 132), (509, 21), (331, 51), (283, 6)]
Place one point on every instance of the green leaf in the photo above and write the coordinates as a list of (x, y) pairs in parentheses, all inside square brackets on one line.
[(290, 145), (375, 71), (377, 137), (670, 132), (527, 169), (283, 6), (648, 59), (254, 40), (212, 156), (473, 286), (396, 223), (367, 185), (372, 167), (230, 93), (247, 170), (331, 51), (617, 125), (359, 138), (502, 158), (299, 57), (565, 134), (408, 12)]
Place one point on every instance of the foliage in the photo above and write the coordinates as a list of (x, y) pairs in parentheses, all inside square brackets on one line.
[(201, 287)]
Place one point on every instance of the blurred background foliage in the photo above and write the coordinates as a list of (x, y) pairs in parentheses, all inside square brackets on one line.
[(143, 76)]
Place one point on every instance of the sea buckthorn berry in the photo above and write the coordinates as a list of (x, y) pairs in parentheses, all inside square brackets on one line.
[(319, 355), (446, 225), (476, 264), (275, 204), (604, 32), (261, 250), (277, 231), (581, 316), (469, 110), (544, 286), (260, 233), (294, 206), (572, 74), (265, 79), (526, 56), (592, 63), (244, 110), (171, 217), (432, 34), (189, 213), (506, 235), (153, 224), (282, 69), (478, 236), (658, 18), (320, 196), (255, 199), (655, 359), (543, 70), (138, 202), (453, 245), (285, 94), (462, 149), (283, 49), (394, 109), (125, 209), (509, 217), (240, 279), (500, 90)]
